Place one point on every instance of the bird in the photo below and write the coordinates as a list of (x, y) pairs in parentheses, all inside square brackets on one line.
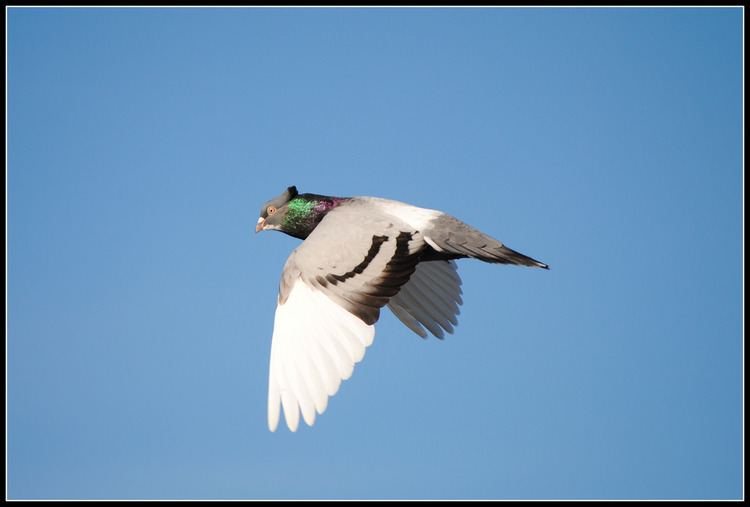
[(358, 255)]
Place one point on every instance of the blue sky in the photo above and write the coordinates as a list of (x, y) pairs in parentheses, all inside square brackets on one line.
[(605, 142)]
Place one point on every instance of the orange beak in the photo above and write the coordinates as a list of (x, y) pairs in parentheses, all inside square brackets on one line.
[(261, 223)]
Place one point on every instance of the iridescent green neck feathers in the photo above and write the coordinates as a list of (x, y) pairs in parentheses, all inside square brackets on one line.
[(305, 211)]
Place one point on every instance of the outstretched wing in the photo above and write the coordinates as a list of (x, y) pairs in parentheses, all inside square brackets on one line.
[(331, 292), (452, 238)]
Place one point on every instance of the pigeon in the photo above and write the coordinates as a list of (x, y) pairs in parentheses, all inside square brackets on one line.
[(358, 255)]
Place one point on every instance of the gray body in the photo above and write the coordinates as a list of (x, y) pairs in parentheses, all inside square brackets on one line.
[(365, 252)]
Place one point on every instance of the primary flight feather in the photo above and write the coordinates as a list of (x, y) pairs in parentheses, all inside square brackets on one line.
[(358, 255)]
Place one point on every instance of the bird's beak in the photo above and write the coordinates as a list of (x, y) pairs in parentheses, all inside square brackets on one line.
[(261, 223)]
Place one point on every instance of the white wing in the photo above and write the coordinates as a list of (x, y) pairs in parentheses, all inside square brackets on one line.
[(331, 292), (315, 346)]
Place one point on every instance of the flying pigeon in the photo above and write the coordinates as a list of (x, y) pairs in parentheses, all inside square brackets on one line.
[(359, 254)]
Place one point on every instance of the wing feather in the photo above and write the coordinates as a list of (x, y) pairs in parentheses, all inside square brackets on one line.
[(314, 347), (410, 301), (435, 309), (406, 318), (430, 298), (306, 358), (453, 238), (442, 300)]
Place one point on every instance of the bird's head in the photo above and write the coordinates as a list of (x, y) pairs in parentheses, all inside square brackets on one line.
[(273, 213), (295, 214)]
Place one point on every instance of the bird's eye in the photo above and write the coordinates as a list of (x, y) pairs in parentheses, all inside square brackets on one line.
[(271, 210)]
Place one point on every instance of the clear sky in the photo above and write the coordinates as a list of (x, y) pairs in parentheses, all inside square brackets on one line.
[(605, 142)]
